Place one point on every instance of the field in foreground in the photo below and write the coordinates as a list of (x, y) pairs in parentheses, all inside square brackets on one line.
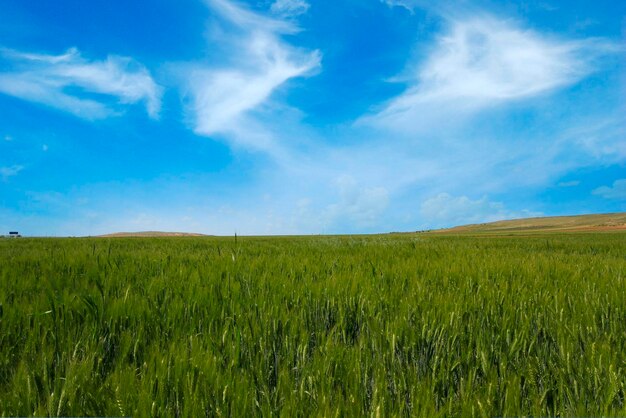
[(317, 326)]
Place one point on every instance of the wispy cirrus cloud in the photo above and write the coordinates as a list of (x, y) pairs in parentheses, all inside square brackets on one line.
[(439, 7), (86, 88), (616, 191), (289, 8), (481, 61), (571, 183), (257, 62), (7, 172), (604, 138)]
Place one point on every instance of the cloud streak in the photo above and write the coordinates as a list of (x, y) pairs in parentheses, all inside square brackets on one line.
[(480, 62), (7, 172), (289, 8), (84, 88), (223, 98), (617, 191)]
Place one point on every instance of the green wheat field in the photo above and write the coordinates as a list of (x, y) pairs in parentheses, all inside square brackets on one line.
[(385, 325)]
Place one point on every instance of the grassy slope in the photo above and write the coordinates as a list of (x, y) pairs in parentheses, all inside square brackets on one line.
[(148, 234), (314, 326), (602, 222)]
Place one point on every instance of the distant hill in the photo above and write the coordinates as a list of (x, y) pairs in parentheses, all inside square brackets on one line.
[(603, 222), (151, 234)]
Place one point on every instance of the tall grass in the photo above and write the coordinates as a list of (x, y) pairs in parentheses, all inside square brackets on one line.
[(400, 325)]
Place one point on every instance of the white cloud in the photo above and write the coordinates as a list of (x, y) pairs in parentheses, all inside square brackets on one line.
[(360, 206), (485, 58), (411, 5), (603, 138), (444, 210), (617, 191), (572, 183), (223, 98), (69, 81), (6, 172), (402, 3), (482, 61), (246, 19), (290, 8)]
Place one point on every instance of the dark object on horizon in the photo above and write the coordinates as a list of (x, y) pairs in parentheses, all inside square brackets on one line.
[(14, 234)]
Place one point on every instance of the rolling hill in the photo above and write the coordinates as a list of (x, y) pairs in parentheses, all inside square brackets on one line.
[(151, 234), (601, 222)]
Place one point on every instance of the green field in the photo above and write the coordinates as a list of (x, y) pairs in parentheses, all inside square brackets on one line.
[(387, 325)]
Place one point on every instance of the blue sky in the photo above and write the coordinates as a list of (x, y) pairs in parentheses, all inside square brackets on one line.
[(308, 117)]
